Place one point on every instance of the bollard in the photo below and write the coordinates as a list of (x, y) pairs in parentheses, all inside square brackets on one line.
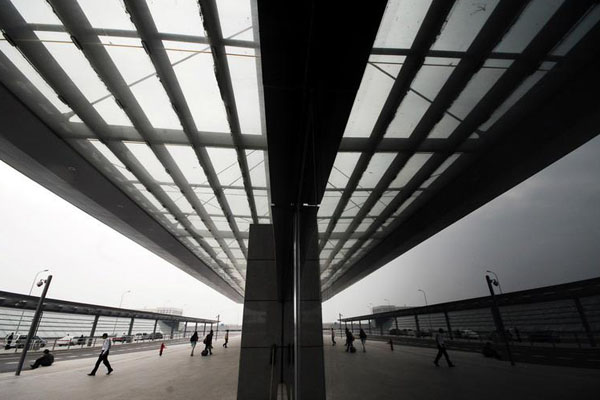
[(391, 345)]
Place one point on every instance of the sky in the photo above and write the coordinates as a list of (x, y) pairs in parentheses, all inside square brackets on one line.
[(544, 231)]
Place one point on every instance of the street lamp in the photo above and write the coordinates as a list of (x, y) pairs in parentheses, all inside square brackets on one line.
[(29, 294), (120, 304), (496, 280), (427, 306)]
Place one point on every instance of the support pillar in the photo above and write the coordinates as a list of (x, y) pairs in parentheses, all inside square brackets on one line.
[(585, 322), (417, 325), (130, 326), (204, 330), (185, 329), (154, 330), (451, 335), (396, 323), (93, 331), (172, 329), (370, 331)]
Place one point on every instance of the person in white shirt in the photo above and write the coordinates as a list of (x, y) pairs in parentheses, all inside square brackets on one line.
[(103, 356), (439, 340)]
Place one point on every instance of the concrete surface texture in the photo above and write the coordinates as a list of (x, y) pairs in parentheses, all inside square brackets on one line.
[(406, 373), (141, 375)]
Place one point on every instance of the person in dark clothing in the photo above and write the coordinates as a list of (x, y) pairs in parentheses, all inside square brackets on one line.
[(439, 340), (45, 361), (208, 342), (332, 337), (349, 339), (103, 357), (193, 341), (363, 338), (9, 340), (226, 338)]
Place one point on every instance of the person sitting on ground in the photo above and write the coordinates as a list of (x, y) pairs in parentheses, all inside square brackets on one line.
[(45, 361), (489, 351)]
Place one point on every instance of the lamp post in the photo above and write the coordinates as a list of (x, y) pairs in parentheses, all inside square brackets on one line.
[(29, 294), (120, 304), (427, 307), (340, 324), (498, 317), (496, 280), (217, 334), (34, 322)]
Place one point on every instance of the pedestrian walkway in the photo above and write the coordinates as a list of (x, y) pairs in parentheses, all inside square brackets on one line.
[(141, 375), (407, 373)]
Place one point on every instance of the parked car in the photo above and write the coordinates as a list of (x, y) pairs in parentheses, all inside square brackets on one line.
[(66, 341), (123, 339), (469, 334), (36, 342), (140, 336), (156, 335)]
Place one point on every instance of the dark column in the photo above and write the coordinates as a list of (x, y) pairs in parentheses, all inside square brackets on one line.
[(584, 322), (185, 329), (448, 325), (130, 326), (196, 327), (93, 331), (396, 323), (417, 324), (172, 329), (154, 330), (352, 327), (370, 332), (204, 330)]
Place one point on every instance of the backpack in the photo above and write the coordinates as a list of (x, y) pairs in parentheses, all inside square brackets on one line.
[(204, 352)]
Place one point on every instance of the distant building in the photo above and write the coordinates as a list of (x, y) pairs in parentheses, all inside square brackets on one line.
[(166, 310)]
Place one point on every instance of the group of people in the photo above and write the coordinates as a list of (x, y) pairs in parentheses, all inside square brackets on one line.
[(207, 342), (439, 341)]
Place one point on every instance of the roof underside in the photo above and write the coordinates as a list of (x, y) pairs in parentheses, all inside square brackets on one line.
[(165, 99)]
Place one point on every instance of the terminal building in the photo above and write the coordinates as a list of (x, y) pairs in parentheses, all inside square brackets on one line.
[(280, 152)]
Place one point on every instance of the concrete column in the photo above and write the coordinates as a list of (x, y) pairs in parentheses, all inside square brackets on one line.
[(204, 330), (370, 331), (93, 331), (154, 330), (417, 324), (130, 326), (196, 327), (396, 323), (279, 344), (185, 329), (172, 329), (585, 322), (448, 325), (352, 327)]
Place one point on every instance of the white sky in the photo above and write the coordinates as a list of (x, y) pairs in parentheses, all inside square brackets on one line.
[(545, 231)]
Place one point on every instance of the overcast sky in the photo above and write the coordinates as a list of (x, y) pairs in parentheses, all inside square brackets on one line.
[(545, 231)]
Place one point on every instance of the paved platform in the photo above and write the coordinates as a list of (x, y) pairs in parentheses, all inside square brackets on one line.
[(407, 373)]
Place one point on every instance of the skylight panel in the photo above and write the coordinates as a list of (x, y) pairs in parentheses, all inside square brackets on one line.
[(464, 23), (364, 225), (226, 165), (377, 166), (401, 22), (433, 75), (177, 16), (477, 87), (341, 226), (145, 156), (106, 14), (110, 111), (238, 201), (36, 12), (209, 201), (244, 226), (408, 115), (257, 168), (406, 204), (342, 169), (440, 170), (197, 223), (444, 128), (410, 169), (244, 78), (529, 23), (516, 95), (187, 161), (221, 224), (178, 198), (151, 96), (195, 73), (261, 200), (355, 203), (112, 158), (383, 202), (32, 75), (74, 63), (148, 196), (236, 19), (329, 203), (372, 94)]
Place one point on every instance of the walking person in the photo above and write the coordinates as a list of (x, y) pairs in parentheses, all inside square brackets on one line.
[(163, 346), (349, 341), (193, 341), (103, 358), (226, 338), (45, 361), (439, 340), (208, 343), (332, 337), (9, 340), (363, 338)]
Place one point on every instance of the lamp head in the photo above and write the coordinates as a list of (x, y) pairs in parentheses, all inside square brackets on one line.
[(40, 283)]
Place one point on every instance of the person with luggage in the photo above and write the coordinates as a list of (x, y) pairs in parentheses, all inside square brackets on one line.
[(208, 344), (349, 340), (193, 342)]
